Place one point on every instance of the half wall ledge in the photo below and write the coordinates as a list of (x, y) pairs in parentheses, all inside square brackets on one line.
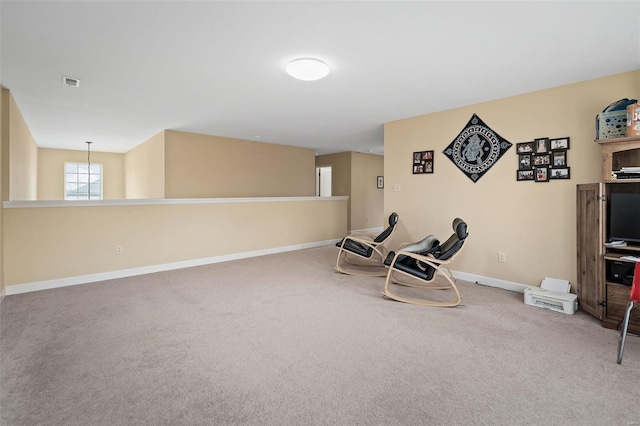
[(159, 201), (50, 243)]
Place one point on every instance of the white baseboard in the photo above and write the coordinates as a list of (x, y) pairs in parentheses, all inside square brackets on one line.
[(123, 273), (491, 282)]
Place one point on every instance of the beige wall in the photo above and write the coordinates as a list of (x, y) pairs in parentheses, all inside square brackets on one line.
[(533, 223), (144, 169), (367, 201), (156, 234), (4, 99), (202, 166), (355, 174), (51, 172), (23, 156), (4, 142), (340, 171), (340, 176)]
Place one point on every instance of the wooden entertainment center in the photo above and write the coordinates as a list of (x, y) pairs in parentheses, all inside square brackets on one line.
[(598, 294)]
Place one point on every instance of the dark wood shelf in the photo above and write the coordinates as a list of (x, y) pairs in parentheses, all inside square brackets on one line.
[(618, 153), (622, 181), (611, 141), (597, 295), (617, 284), (613, 253), (617, 299)]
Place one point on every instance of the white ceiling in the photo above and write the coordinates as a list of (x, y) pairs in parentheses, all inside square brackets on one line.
[(218, 67)]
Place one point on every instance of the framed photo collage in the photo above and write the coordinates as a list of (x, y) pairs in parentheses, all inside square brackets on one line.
[(543, 160), (422, 162)]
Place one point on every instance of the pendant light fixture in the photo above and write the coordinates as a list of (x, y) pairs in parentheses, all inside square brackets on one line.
[(89, 169)]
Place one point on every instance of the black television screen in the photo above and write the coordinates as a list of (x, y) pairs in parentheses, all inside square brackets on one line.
[(624, 217)]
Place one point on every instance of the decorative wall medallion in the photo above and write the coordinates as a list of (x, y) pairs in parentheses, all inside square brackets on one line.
[(476, 149)]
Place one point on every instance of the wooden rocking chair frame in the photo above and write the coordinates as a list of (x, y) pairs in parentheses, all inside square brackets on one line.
[(378, 252), (440, 266)]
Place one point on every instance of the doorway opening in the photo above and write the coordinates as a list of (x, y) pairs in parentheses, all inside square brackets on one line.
[(323, 181)]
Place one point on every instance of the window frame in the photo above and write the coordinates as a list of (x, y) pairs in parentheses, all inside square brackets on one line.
[(78, 163)]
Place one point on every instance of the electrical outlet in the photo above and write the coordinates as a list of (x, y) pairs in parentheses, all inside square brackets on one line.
[(119, 249), (502, 258)]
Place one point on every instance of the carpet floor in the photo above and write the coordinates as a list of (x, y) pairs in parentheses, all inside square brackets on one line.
[(285, 340)]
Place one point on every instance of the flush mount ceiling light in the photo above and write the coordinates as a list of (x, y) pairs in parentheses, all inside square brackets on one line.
[(307, 69)]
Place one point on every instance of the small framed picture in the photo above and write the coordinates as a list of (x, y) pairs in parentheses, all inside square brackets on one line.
[(541, 160), (524, 162), (524, 148), (559, 159), (525, 175), (380, 183), (422, 162), (541, 145), (542, 174), (559, 143), (563, 173)]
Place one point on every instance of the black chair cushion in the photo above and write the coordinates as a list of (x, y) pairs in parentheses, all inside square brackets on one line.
[(422, 247), (364, 250), (355, 247), (393, 220), (413, 269), (442, 252)]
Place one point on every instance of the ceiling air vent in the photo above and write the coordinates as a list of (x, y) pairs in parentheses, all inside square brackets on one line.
[(70, 81)]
